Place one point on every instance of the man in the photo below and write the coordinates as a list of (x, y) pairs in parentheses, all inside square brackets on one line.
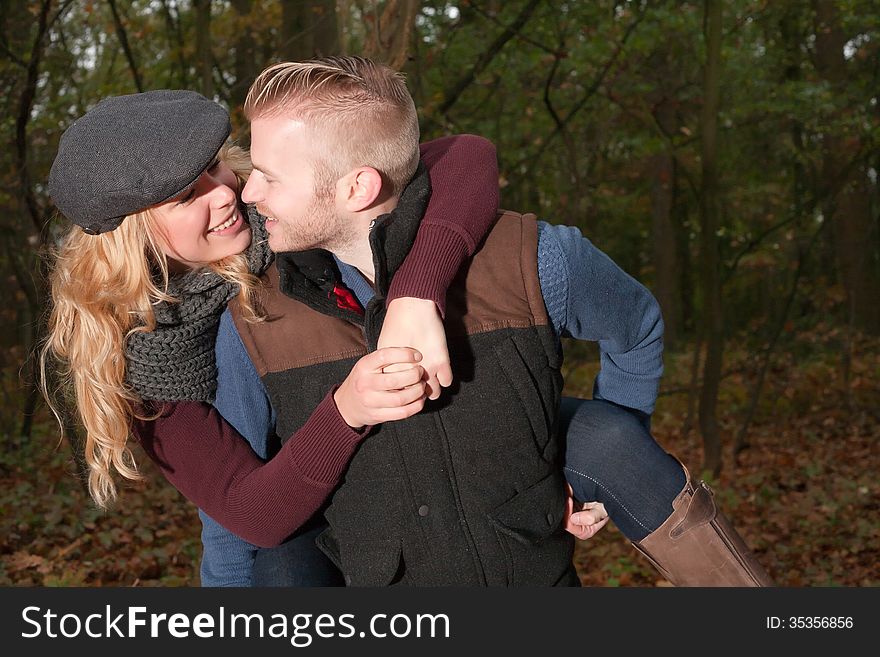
[(447, 514), (469, 491)]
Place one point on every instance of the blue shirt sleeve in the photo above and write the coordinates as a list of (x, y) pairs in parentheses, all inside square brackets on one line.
[(588, 297), (227, 560)]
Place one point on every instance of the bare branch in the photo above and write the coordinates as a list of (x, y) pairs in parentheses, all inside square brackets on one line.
[(754, 242), (569, 143), (594, 87), (15, 59), (172, 29), (589, 93), (741, 441), (489, 17), (454, 92), (23, 275), (61, 10), (24, 112), (123, 41), (11, 55), (548, 102)]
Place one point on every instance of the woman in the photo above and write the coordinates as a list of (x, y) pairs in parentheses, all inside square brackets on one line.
[(137, 304), (138, 292)]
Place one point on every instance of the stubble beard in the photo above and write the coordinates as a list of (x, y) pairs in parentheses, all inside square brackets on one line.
[(318, 227)]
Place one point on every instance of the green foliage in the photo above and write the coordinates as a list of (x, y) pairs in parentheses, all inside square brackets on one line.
[(573, 100)]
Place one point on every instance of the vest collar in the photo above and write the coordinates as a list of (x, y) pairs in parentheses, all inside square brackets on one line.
[(312, 276)]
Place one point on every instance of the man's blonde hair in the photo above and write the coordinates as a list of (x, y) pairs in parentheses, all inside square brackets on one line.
[(360, 112)]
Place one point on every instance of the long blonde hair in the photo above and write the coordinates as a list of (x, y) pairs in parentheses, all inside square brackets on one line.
[(103, 288)]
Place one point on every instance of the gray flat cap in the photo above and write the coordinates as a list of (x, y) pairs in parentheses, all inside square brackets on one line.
[(131, 152)]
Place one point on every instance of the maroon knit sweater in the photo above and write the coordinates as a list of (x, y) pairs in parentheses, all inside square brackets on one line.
[(265, 502)]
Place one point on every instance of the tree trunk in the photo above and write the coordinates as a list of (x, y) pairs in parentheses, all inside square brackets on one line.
[(35, 290), (667, 230), (204, 60), (126, 48), (855, 244), (293, 33), (791, 42), (664, 233), (176, 43), (849, 203), (710, 205), (325, 27), (389, 40), (29, 320), (245, 56), (35, 293), (309, 29), (694, 388)]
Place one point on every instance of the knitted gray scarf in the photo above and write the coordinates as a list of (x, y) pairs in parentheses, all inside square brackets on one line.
[(176, 361)]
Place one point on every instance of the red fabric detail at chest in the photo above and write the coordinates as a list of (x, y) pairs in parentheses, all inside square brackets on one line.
[(346, 300)]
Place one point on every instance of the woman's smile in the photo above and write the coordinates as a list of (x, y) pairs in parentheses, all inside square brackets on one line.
[(230, 226)]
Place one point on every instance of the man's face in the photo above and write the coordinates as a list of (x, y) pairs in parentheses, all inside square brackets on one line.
[(283, 187)]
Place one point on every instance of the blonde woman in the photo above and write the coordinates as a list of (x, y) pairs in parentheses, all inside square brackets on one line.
[(161, 243)]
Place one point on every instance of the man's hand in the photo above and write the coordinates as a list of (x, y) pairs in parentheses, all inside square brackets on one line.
[(412, 322), (370, 395), (587, 520)]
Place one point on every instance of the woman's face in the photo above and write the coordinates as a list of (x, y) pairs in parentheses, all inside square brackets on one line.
[(205, 224)]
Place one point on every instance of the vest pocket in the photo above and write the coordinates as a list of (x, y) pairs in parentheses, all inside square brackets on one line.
[(364, 562), (522, 382), (363, 543), (529, 527), (533, 514), (328, 544)]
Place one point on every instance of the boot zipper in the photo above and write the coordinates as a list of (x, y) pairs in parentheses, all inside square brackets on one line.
[(726, 539)]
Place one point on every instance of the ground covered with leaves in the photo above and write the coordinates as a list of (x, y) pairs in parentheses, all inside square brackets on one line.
[(805, 494)]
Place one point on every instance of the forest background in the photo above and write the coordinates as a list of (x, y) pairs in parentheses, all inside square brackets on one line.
[(724, 153)]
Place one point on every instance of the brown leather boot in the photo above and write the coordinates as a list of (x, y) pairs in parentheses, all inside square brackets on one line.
[(697, 545)]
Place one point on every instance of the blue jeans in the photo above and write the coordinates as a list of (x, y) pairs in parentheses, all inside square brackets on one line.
[(611, 457), (297, 562)]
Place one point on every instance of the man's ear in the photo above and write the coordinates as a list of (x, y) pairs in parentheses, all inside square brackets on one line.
[(362, 187)]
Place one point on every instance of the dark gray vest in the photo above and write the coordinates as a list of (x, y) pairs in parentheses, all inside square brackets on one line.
[(470, 491)]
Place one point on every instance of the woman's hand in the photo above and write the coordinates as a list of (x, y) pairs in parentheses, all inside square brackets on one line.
[(587, 520), (412, 322), (370, 395)]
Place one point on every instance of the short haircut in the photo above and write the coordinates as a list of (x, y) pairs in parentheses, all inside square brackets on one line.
[(360, 112)]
